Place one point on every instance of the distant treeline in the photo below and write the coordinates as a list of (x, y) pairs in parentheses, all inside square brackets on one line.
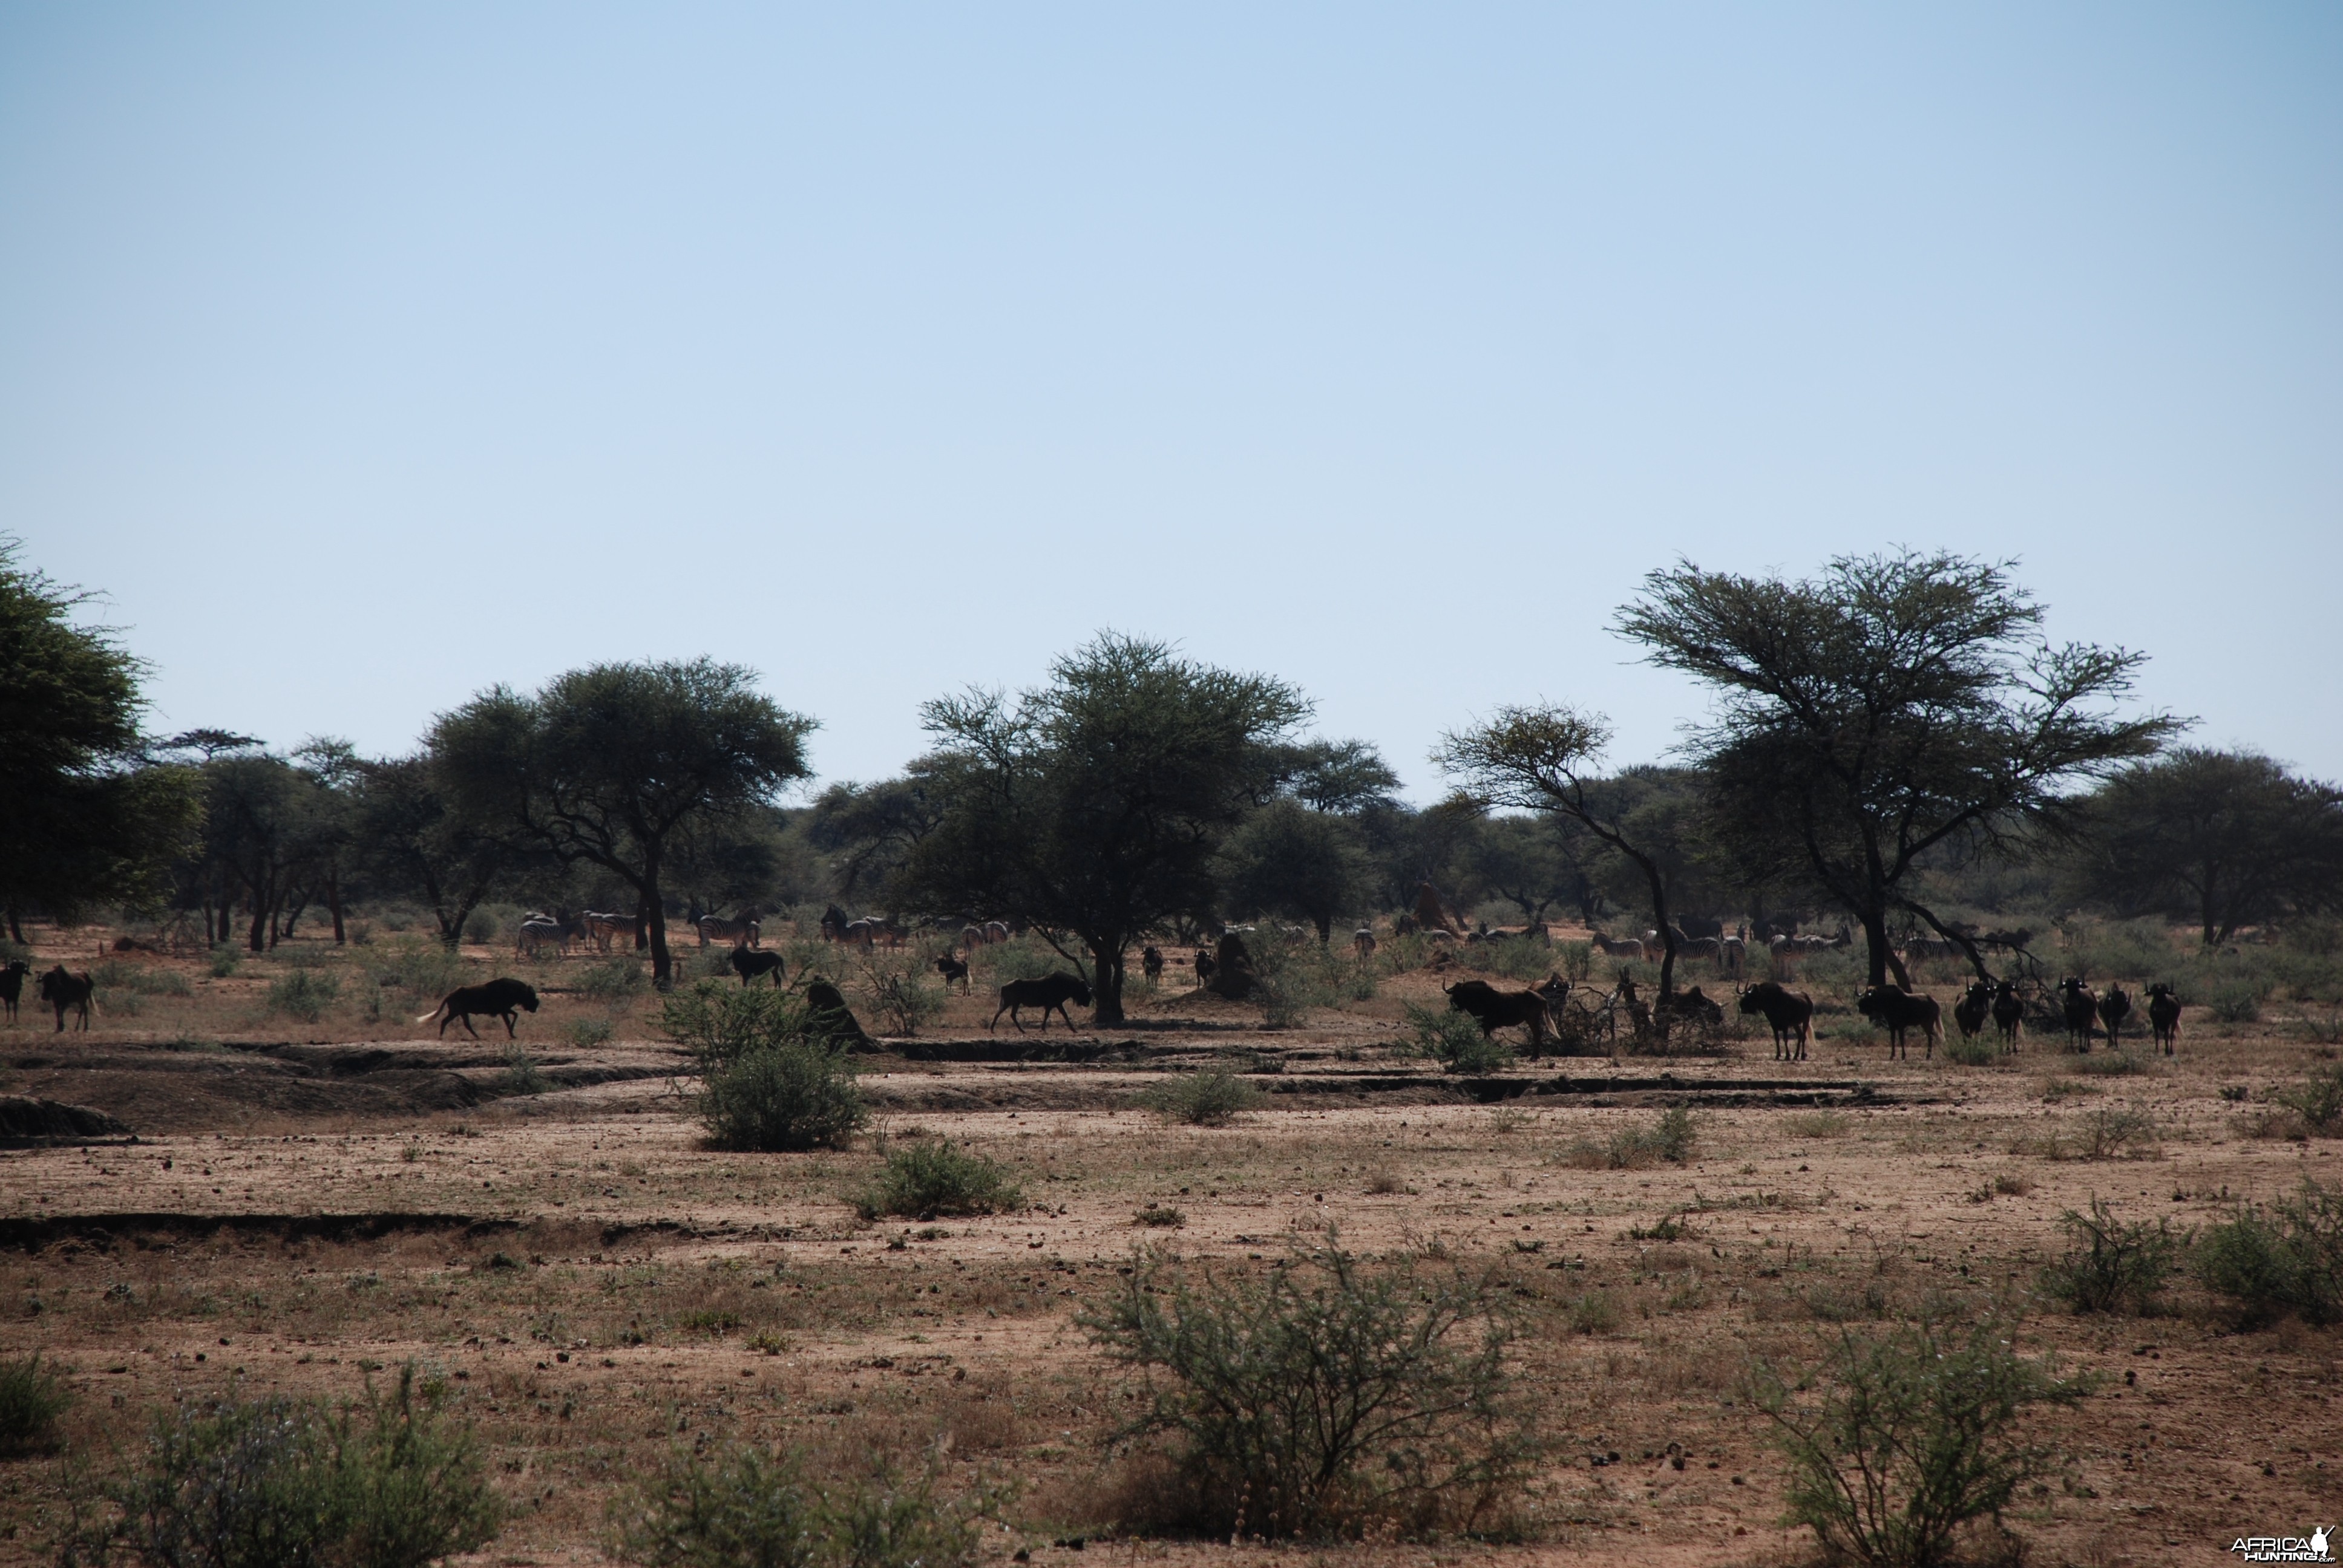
[(1893, 748)]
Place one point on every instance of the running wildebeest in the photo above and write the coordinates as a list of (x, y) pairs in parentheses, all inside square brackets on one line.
[(1051, 992), (953, 969), (750, 962), (1495, 1009), (1790, 1014), (62, 990), (501, 998), (1899, 1011), (12, 985), (2164, 1015)]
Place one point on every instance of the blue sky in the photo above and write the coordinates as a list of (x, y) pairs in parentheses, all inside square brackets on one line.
[(365, 358)]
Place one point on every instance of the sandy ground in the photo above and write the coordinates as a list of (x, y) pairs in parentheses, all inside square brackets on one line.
[(300, 1212)]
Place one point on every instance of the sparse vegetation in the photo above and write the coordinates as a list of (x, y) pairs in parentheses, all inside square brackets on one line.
[(1670, 1139), (2283, 1260), (306, 994), (1903, 1441), (929, 1177), (32, 1398), (2110, 1266), (743, 1506), (2317, 1100), (1455, 1040), (1208, 1096), (1322, 1399)]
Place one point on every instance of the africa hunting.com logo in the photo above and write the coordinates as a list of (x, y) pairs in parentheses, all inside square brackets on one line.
[(2310, 1548)]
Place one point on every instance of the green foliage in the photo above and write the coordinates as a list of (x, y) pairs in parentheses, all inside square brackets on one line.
[(2318, 1101), (1093, 805), (902, 987), (617, 978), (585, 1033), (1980, 1050), (304, 994), (521, 1073), (1455, 1040), (1322, 1399), (1577, 961), (283, 1484), (1292, 862), (1208, 1096), (1293, 975), (425, 970), (930, 1177), (226, 960), (32, 1398), (2110, 1266), (2287, 1258), (2236, 1000), (1595, 1313), (1915, 1436), (782, 1098), (719, 1023), (742, 1506)]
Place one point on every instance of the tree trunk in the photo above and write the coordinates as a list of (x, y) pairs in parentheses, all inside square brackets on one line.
[(1326, 930), (642, 925), (1877, 950), (334, 903), (2205, 909), (1106, 970), (662, 966), (15, 930)]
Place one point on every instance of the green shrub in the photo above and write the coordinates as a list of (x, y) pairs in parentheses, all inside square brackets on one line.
[(929, 1177), (32, 1398), (1293, 976), (1670, 1139), (265, 1483), (481, 929), (2112, 1131), (742, 1506), (2286, 1260), (1320, 1400), (304, 994), (2108, 1064), (899, 987), (521, 1073), (1210, 1096), (422, 968), (781, 1098), (2112, 1267), (1595, 1312), (613, 979), (2236, 1000), (226, 960), (719, 1023), (1455, 1040), (2318, 1101), (1577, 961), (1978, 1050), (585, 1033), (1913, 1438)]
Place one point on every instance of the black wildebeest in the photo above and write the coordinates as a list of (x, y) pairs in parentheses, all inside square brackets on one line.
[(2113, 1007), (1974, 1008), (1151, 963), (1204, 966), (1495, 1009), (62, 990), (1791, 1015), (2164, 1015), (953, 969), (12, 985), (749, 964), (1050, 993), (2008, 1012), (501, 998), (2081, 1006), (1898, 1010)]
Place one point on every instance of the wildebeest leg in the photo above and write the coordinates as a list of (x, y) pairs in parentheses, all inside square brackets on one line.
[(467, 1025), (510, 1017)]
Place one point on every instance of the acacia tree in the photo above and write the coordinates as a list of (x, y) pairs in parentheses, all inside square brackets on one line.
[(90, 817), (2227, 838), (1092, 807), (1895, 705), (608, 764), (1289, 861), (1541, 760), (411, 839)]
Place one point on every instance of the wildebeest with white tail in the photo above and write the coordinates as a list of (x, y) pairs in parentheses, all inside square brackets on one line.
[(501, 998)]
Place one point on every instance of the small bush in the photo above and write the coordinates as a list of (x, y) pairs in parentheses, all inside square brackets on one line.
[(613, 981), (585, 1033), (1293, 976), (782, 1098), (2113, 1131), (1979, 1051), (744, 1506), (481, 927), (1319, 1400), (1160, 1217), (2318, 1101), (1577, 961), (1455, 1040), (32, 1398), (1915, 1438), (2108, 1064), (719, 1023), (1210, 1097), (422, 968), (1596, 1313), (521, 1073), (896, 983), (929, 1177), (266, 1483), (304, 994), (2236, 1000), (2286, 1260), (2112, 1267), (226, 960)]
